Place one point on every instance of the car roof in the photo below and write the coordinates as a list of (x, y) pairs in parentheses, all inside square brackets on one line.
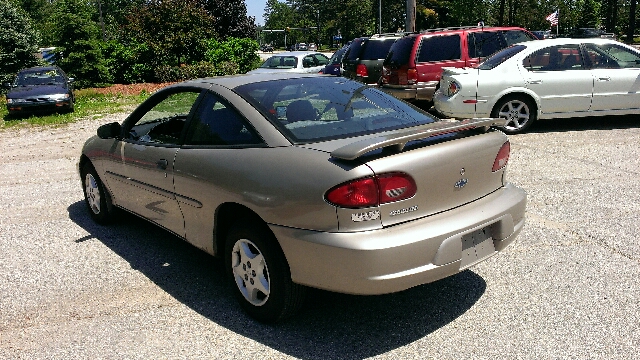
[(296, 53), (40, 68), (539, 44), (232, 81)]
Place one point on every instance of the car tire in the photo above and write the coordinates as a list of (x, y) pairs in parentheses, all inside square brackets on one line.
[(259, 273), (97, 199), (519, 111)]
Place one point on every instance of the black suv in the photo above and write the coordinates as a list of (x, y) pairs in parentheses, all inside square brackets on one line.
[(363, 60)]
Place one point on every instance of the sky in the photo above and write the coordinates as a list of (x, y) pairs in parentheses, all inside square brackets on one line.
[(256, 8)]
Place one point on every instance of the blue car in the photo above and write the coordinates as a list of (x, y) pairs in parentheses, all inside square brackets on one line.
[(40, 89), (335, 63)]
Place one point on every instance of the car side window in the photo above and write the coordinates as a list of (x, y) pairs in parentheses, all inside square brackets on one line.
[(555, 58), (439, 48), (217, 124), (309, 61), (612, 56), (164, 122), (516, 36), (321, 59), (485, 43)]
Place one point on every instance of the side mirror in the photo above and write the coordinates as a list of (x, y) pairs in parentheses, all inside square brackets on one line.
[(109, 131)]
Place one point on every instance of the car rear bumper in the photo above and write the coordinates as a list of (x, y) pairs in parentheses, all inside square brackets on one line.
[(422, 91), (406, 255), (453, 107)]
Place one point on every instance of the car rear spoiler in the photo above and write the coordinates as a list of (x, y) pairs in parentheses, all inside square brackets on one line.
[(398, 140)]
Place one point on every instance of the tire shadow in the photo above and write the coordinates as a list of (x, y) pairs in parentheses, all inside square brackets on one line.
[(330, 325)]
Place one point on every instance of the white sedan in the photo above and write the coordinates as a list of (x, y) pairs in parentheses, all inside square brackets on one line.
[(556, 78), (293, 61)]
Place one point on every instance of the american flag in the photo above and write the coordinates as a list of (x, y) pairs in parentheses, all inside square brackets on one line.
[(553, 18)]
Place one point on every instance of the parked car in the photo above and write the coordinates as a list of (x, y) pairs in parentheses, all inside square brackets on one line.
[(413, 66), (334, 67), (266, 48), (40, 89), (312, 47), (294, 61), (301, 47), (363, 60), (555, 78), (543, 34), (582, 33), (300, 181)]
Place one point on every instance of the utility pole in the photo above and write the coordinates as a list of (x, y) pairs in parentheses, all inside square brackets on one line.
[(410, 21)]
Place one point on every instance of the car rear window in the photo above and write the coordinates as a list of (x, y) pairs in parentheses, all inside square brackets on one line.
[(500, 57), (280, 62), (310, 109), (400, 52), (376, 49), (355, 49), (439, 48)]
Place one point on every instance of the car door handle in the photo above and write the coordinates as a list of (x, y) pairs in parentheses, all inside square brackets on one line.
[(535, 82), (162, 164), (604, 78)]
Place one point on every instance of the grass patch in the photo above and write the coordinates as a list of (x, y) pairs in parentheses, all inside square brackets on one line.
[(90, 103)]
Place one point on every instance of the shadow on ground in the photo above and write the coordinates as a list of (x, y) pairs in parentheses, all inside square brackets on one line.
[(586, 123), (330, 326)]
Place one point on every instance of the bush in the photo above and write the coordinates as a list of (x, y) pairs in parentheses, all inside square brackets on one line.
[(128, 63), (240, 51), (200, 70)]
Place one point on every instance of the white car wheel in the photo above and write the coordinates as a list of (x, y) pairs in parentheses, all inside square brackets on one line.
[(518, 111)]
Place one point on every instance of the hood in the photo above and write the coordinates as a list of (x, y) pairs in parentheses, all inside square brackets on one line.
[(36, 91)]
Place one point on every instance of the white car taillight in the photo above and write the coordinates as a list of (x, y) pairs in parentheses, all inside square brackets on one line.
[(452, 89)]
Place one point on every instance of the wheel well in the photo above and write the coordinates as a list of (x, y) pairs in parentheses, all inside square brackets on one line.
[(83, 161), (520, 95), (226, 216)]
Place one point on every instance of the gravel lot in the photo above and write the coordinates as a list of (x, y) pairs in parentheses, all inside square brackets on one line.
[(568, 288)]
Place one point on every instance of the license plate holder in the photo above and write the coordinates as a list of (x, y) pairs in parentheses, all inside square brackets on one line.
[(476, 246)]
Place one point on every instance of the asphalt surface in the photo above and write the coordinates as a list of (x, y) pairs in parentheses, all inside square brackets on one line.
[(568, 288)]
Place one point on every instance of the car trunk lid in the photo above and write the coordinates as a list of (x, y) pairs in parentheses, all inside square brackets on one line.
[(449, 167)]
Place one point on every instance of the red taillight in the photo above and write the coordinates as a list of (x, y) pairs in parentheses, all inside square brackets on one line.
[(502, 158), (384, 78), (412, 76), (395, 187), (361, 70), (373, 191)]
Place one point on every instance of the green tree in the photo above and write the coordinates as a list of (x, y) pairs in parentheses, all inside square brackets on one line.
[(174, 30), (230, 18), (40, 12), (79, 37), (18, 41)]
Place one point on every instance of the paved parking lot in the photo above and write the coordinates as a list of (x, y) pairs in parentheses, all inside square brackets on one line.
[(568, 288)]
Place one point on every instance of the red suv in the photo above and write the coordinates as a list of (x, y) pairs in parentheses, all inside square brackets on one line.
[(412, 68)]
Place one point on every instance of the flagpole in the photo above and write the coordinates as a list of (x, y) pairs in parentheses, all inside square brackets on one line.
[(558, 24)]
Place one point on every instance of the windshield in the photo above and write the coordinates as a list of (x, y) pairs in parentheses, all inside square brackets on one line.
[(322, 108), (39, 77), (280, 62), (500, 57)]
